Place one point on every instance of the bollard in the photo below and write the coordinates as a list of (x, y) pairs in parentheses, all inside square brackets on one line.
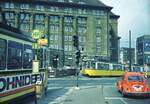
[(38, 88)]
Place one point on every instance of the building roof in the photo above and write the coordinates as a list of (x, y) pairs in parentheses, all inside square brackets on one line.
[(85, 2), (144, 37), (113, 15), (80, 3)]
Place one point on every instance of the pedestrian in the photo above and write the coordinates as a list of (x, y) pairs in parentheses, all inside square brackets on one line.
[(145, 69)]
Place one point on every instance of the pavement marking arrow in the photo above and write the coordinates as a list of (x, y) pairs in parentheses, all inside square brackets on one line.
[(116, 98)]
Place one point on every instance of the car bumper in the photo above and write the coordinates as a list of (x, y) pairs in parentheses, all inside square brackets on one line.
[(144, 94)]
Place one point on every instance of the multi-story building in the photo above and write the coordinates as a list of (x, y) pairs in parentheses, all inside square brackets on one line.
[(125, 55), (59, 20), (143, 50), (114, 39)]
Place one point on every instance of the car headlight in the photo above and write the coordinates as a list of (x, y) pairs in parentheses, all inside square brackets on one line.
[(137, 87)]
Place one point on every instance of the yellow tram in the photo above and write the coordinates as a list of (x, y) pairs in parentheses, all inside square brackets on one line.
[(99, 69)]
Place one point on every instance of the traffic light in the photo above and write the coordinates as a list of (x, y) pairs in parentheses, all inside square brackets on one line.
[(55, 61), (75, 41), (78, 55)]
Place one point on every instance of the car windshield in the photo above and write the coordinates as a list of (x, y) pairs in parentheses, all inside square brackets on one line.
[(135, 78)]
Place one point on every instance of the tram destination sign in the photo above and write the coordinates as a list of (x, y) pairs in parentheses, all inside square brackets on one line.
[(9, 83)]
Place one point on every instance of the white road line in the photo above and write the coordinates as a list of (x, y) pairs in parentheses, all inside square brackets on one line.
[(109, 85), (116, 98), (61, 99), (113, 98), (124, 101)]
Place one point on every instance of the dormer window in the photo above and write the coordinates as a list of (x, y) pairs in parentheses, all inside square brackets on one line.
[(9, 5), (81, 2), (70, 1), (40, 7), (61, 0), (24, 6)]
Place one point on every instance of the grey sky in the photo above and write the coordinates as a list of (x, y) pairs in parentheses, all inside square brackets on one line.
[(134, 16)]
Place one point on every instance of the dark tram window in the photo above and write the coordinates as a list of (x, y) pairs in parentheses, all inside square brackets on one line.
[(3, 46), (27, 57), (14, 55), (103, 66), (40, 57), (117, 67)]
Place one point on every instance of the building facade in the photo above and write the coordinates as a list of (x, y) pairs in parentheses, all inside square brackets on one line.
[(143, 50), (125, 55), (59, 20), (114, 39)]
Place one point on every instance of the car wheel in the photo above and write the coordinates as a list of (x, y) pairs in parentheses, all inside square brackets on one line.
[(119, 87), (123, 93)]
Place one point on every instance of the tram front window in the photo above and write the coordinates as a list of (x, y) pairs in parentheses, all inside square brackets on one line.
[(2, 54), (14, 55), (27, 57), (103, 66)]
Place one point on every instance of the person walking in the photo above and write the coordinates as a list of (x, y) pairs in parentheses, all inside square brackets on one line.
[(145, 69)]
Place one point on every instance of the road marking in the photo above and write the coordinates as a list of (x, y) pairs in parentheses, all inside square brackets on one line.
[(109, 85), (61, 99), (124, 101), (116, 98)]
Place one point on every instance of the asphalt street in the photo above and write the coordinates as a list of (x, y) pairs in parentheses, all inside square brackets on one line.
[(91, 91)]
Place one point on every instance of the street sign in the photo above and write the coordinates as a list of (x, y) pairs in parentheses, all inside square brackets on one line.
[(36, 34), (43, 41)]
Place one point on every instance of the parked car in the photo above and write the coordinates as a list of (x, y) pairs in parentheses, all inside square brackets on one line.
[(133, 84)]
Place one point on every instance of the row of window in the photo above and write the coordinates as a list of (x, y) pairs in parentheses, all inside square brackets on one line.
[(98, 30), (9, 5), (40, 26), (15, 56), (68, 29), (25, 26), (68, 48), (68, 19), (68, 38), (81, 30), (54, 46), (41, 17), (82, 20), (98, 40), (54, 37), (53, 28)]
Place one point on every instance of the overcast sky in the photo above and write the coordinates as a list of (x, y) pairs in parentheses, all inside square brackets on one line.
[(134, 16)]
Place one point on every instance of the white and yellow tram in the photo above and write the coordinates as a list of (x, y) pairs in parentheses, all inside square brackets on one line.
[(16, 54), (95, 69)]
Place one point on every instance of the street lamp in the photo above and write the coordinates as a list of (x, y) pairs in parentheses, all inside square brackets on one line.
[(36, 34), (130, 61)]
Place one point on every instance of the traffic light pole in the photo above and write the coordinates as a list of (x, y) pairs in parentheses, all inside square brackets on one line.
[(77, 68), (77, 75), (130, 61), (77, 55)]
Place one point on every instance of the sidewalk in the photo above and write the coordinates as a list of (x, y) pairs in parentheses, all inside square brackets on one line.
[(83, 95)]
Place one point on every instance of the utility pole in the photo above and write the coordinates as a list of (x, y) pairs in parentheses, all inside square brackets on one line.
[(78, 56), (130, 61)]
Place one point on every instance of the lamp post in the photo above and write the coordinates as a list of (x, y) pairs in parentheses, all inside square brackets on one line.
[(36, 34), (130, 61)]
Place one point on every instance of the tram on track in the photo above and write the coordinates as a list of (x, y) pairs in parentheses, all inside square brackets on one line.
[(99, 69), (17, 80)]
